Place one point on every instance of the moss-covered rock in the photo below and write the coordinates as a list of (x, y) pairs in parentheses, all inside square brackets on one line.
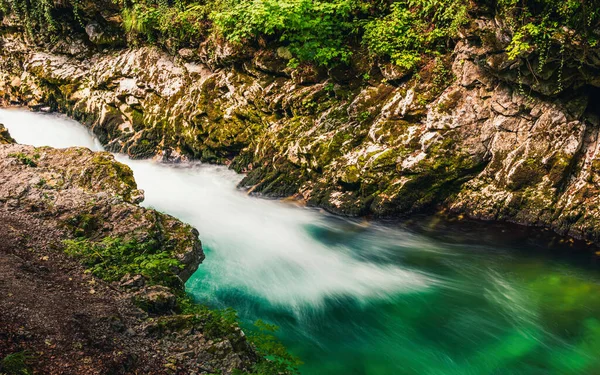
[(5, 137), (93, 196)]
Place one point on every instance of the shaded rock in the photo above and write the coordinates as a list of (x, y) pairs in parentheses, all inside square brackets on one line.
[(132, 282), (156, 299), (103, 35), (393, 72)]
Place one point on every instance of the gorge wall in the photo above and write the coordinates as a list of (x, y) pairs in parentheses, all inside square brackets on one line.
[(473, 133)]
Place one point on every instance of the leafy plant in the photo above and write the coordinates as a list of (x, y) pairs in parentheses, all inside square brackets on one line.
[(16, 364), (414, 29), (158, 21), (315, 31)]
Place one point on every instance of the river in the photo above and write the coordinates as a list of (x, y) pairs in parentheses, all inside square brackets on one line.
[(353, 297)]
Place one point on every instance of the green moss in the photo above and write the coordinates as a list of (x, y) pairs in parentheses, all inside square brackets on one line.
[(435, 178), (16, 364), (112, 173), (24, 158), (351, 175), (84, 224), (558, 168), (528, 173), (137, 120), (113, 258), (142, 148)]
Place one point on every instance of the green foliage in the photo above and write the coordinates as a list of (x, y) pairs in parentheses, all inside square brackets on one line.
[(113, 258), (407, 32), (23, 158), (36, 14), (158, 21), (315, 31), (277, 359), (15, 364), (538, 24), (415, 28)]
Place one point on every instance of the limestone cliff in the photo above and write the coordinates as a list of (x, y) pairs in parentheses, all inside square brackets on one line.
[(474, 133)]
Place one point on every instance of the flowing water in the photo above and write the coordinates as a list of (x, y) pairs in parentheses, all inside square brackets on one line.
[(356, 297)]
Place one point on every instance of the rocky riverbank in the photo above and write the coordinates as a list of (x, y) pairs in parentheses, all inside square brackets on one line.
[(66, 319), (472, 133)]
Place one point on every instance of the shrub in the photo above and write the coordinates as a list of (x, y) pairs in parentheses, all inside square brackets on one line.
[(315, 31), (537, 24), (158, 21), (37, 14), (415, 28)]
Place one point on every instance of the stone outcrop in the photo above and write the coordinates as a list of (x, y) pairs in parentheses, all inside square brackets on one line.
[(92, 195), (474, 133), (93, 327)]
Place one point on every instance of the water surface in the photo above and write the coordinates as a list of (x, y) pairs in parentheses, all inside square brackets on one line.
[(357, 297)]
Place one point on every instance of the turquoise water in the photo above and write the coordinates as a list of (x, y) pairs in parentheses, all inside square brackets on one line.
[(358, 297), (481, 309)]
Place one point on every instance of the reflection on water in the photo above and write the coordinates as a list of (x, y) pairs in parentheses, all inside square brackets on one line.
[(353, 297)]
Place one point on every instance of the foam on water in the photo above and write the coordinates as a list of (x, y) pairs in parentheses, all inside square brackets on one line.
[(257, 246), (43, 129)]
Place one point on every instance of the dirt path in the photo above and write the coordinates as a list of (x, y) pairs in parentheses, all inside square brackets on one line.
[(70, 322)]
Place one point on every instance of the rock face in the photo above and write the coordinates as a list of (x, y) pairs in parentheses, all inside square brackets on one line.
[(490, 143), (92, 195)]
